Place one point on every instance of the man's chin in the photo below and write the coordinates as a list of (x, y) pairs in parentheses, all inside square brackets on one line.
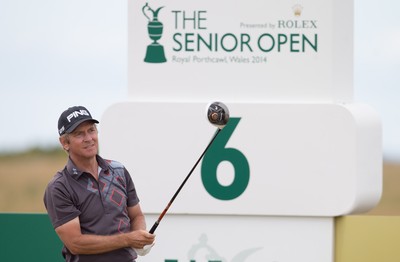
[(91, 152)]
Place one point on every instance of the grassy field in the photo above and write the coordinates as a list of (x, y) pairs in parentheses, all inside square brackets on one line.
[(24, 176)]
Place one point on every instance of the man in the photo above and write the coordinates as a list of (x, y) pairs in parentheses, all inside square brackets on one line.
[(92, 203)]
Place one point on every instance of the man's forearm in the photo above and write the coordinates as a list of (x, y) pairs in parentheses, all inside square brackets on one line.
[(138, 223), (95, 244)]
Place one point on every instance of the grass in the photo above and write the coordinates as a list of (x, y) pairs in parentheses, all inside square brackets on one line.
[(24, 177)]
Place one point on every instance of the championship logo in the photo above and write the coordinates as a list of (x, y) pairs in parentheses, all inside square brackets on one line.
[(155, 51)]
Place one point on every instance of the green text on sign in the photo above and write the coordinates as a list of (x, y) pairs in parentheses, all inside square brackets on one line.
[(218, 153)]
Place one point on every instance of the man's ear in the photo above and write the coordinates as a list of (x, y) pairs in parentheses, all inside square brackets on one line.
[(64, 142)]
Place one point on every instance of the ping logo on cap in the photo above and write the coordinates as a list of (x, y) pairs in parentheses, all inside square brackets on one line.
[(72, 117), (76, 114)]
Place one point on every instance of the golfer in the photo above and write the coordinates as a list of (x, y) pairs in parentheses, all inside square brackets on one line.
[(92, 203)]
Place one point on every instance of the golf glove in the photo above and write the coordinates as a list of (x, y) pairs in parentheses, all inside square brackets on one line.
[(144, 251)]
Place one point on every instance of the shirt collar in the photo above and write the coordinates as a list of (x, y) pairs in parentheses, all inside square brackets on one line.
[(76, 173)]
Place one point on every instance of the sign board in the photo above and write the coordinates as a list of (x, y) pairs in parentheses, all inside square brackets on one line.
[(251, 50), (271, 159), (183, 238)]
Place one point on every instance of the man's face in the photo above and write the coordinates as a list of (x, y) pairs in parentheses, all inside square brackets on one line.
[(83, 141)]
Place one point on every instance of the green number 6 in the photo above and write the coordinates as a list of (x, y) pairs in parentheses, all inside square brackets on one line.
[(216, 154)]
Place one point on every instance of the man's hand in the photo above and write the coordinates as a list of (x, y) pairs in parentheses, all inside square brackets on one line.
[(142, 241), (140, 238)]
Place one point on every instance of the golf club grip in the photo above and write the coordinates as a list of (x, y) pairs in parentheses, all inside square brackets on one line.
[(154, 227)]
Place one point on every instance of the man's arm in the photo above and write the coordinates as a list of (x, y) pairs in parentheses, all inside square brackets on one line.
[(78, 243), (137, 218)]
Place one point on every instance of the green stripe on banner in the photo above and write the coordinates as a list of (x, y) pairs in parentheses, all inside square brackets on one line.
[(28, 237)]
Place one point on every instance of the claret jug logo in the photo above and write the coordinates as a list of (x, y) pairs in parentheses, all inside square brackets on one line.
[(203, 251), (155, 51)]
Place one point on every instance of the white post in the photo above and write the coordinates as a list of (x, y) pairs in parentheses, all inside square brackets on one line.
[(296, 153)]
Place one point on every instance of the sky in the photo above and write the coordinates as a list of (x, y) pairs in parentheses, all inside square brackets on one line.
[(54, 54)]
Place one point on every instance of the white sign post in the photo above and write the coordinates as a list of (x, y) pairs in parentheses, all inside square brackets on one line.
[(296, 153)]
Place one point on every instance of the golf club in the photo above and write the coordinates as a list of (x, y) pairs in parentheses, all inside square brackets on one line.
[(218, 115)]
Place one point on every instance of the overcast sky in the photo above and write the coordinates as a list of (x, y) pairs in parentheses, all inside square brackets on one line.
[(57, 53)]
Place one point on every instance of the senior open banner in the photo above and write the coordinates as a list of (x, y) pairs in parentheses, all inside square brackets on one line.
[(244, 50)]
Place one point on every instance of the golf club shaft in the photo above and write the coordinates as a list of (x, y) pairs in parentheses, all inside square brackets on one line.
[(154, 227)]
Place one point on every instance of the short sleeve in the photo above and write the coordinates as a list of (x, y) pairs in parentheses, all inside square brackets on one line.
[(59, 203), (133, 198)]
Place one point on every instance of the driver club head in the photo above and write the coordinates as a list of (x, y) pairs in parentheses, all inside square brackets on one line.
[(218, 114)]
